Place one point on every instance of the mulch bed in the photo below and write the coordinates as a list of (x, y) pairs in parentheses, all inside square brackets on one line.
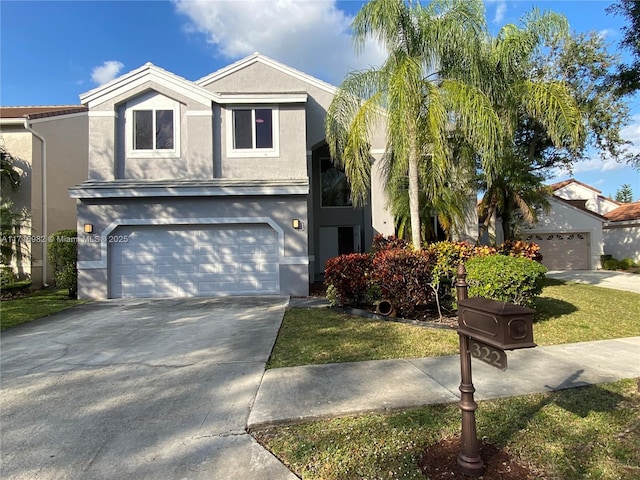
[(439, 462)]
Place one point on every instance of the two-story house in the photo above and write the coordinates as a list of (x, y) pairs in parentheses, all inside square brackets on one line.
[(219, 186)]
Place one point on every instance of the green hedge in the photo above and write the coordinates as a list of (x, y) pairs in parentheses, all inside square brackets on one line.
[(63, 255), (507, 279)]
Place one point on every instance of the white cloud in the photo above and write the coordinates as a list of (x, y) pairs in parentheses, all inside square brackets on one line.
[(501, 9), (106, 72), (631, 133), (312, 36)]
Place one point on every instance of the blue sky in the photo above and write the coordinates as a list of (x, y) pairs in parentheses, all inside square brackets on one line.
[(52, 51)]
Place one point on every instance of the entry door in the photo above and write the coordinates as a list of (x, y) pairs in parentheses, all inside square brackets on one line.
[(336, 241)]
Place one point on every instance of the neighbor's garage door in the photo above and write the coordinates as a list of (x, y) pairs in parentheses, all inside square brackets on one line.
[(563, 251), (164, 261)]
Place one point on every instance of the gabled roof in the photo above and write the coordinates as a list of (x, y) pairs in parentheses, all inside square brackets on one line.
[(195, 90), (139, 76), (259, 58), (557, 186), (40, 111), (626, 211)]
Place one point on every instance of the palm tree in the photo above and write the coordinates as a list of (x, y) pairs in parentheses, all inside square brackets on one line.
[(531, 110), (419, 104)]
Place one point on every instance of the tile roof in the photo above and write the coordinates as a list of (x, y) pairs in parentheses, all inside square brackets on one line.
[(32, 112), (626, 211)]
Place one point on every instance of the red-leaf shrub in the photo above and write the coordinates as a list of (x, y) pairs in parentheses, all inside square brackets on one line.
[(403, 276), (381, 243), (347, 276), (518, 248)]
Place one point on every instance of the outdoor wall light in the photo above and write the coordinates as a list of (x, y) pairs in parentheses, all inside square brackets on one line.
[(296, 223), (88, 228)]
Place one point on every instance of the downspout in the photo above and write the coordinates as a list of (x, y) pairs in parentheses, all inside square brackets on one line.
[(44, 198)]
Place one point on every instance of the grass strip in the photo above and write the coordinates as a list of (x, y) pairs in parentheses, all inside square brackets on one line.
[(589, 432), (566, 313), (34, 305)]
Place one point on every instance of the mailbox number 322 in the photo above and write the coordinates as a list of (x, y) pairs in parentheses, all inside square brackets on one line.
[(487, 354)]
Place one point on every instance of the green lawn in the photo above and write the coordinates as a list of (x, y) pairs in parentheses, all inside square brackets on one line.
[(566, 313), (590, 432), (34, 305)]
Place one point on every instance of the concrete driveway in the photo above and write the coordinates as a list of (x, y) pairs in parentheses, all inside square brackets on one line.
[(139, 389), (629, 282)]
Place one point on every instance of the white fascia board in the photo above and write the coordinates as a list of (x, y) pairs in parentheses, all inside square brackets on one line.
[(12, 121), (176, 192), (259, 58), (148, 73), (262, 98)]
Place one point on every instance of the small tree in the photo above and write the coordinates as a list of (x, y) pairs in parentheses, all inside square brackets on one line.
[(11, 221), (624, 194), (63, 255)]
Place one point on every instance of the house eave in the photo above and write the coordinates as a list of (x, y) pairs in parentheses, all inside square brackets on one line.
[(188, 188)]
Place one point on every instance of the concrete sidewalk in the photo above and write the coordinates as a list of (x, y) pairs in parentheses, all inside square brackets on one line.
[(289, 395)]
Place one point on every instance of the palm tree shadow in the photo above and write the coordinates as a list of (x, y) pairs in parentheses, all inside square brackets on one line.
[(548, 308)]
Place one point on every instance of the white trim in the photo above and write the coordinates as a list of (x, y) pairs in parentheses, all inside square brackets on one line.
[(378, 151), (140, 77), (103, 113), (260, 98), (192, 191), (12, 121), (253, 152), (199, 113), (152, 101), (103, 262)]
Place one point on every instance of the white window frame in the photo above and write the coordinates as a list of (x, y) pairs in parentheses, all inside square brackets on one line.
[(152, 101), (253, 152)]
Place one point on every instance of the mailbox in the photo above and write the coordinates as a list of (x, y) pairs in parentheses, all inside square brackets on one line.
[(502, 325)]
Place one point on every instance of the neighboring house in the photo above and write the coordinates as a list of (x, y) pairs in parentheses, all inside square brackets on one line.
[(582, 225), (50, 144), (219, 186), (622, 232)]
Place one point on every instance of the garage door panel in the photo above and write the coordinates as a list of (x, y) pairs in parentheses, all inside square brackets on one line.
[(563, 251), (166, 261)]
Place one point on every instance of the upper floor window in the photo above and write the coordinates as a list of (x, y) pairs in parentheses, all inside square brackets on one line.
[(153, 129), (253, 131), (152, 126)]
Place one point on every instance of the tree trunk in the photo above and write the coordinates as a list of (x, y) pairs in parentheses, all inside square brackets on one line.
[(414, 202)]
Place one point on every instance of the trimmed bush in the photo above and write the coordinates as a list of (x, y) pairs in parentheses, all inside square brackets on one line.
[(63, 255), (347, 279), (610, 263), (7, 276), (403, 277), (507, 279)]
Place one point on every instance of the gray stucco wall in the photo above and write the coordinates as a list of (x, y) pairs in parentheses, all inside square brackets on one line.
[(108, 158), (104, 214)]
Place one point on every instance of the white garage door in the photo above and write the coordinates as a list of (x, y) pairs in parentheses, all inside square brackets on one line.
[(563, 251), (167, 261)]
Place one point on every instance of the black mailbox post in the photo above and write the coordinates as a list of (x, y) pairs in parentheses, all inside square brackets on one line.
[(502, 325)]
